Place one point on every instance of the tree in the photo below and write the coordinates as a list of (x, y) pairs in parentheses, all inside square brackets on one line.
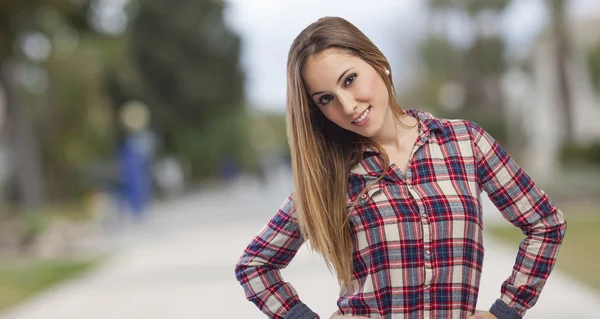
[(561, 55), (476, 66), (188, 63), (593, 57), (18, 19)]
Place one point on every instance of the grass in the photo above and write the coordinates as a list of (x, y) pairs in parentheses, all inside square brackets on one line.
[(20, 280), (579, 255), (74, 211)]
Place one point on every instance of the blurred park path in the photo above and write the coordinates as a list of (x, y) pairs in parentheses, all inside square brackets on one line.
[(179, 264)]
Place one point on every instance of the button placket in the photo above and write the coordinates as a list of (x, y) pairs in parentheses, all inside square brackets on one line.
[(415, 194), (428, 270), (425, 226)]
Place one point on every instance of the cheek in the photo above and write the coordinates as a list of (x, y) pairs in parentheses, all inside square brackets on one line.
[(370, 89), (331, 113)]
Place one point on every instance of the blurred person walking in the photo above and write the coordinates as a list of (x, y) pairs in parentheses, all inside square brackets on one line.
[(391, 198), (134, 156)]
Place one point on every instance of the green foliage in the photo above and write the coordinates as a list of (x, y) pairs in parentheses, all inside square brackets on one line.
[(77, 126), (190, 77), (473, 7), (17, 16), (33, 225), (441, 63), (487, 55), (69, 115), (187, 58), (206, 146), (277, 123), (439, 56), (477, 68), (21, 280), (594, 66), (581, 154)]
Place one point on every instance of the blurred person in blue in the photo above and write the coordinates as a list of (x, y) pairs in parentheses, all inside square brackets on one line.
[(391, 198), (135, 151)]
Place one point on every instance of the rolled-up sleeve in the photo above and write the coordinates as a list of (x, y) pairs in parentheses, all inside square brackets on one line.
[(527, 207)]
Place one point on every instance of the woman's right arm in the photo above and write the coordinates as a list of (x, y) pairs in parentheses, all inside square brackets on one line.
[(258, 270)]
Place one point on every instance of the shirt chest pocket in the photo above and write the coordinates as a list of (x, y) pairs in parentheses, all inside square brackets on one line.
[(377, 207)]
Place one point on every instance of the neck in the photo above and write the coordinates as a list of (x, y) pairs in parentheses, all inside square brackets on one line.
[(393, 134)]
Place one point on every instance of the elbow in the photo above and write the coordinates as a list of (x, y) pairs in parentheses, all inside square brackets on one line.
[(247, 272), (240, 270), (551, 233), (551, 227), (563, 229), (561, 226), (247, 267), (243, 274)]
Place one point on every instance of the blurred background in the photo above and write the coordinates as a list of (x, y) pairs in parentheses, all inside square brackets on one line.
[(128, 124)]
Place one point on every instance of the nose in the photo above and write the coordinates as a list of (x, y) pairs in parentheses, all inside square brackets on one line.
[(348, 103)]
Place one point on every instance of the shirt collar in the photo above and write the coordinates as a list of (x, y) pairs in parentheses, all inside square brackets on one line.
[(427, 121)]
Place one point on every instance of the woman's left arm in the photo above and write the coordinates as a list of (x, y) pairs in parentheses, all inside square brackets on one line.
[(526, 206)]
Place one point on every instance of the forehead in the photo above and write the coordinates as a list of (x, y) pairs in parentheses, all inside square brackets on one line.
[(323, 70)]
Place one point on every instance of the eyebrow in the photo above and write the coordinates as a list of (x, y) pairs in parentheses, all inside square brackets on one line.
[(338, 81)]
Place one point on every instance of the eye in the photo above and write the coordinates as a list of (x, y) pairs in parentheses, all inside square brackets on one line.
[(350, 79), (325, 99)]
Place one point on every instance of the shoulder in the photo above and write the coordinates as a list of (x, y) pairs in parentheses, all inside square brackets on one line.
[(447, 128)]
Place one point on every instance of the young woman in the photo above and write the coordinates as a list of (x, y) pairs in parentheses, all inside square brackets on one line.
[(391, 198)]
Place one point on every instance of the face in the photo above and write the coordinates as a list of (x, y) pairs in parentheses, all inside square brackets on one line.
[(348, 91)]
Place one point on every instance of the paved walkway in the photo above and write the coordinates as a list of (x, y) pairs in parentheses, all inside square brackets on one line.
[(180, 265)]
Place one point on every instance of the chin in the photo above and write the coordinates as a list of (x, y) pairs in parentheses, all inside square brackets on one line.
[(370, 130), (365, 132)]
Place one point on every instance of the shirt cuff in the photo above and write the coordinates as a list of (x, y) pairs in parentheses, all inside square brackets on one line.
[(300, 311), (504, 311)]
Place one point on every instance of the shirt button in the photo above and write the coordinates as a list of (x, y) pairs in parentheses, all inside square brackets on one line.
[(363, 196), (423, 215), (427, 253)]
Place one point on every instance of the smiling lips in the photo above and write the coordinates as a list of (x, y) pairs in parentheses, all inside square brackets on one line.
[(362, 119)]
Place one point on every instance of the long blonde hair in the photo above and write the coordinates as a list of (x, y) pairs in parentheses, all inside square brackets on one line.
[(323, 153)]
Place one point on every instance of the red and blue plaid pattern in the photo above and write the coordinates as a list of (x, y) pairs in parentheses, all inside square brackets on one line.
[(418, 245)]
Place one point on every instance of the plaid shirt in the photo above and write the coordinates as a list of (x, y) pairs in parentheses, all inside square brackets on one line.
[(418, 246)]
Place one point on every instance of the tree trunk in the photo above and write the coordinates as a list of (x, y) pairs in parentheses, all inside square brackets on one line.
[(24, 146), (561, 55)]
